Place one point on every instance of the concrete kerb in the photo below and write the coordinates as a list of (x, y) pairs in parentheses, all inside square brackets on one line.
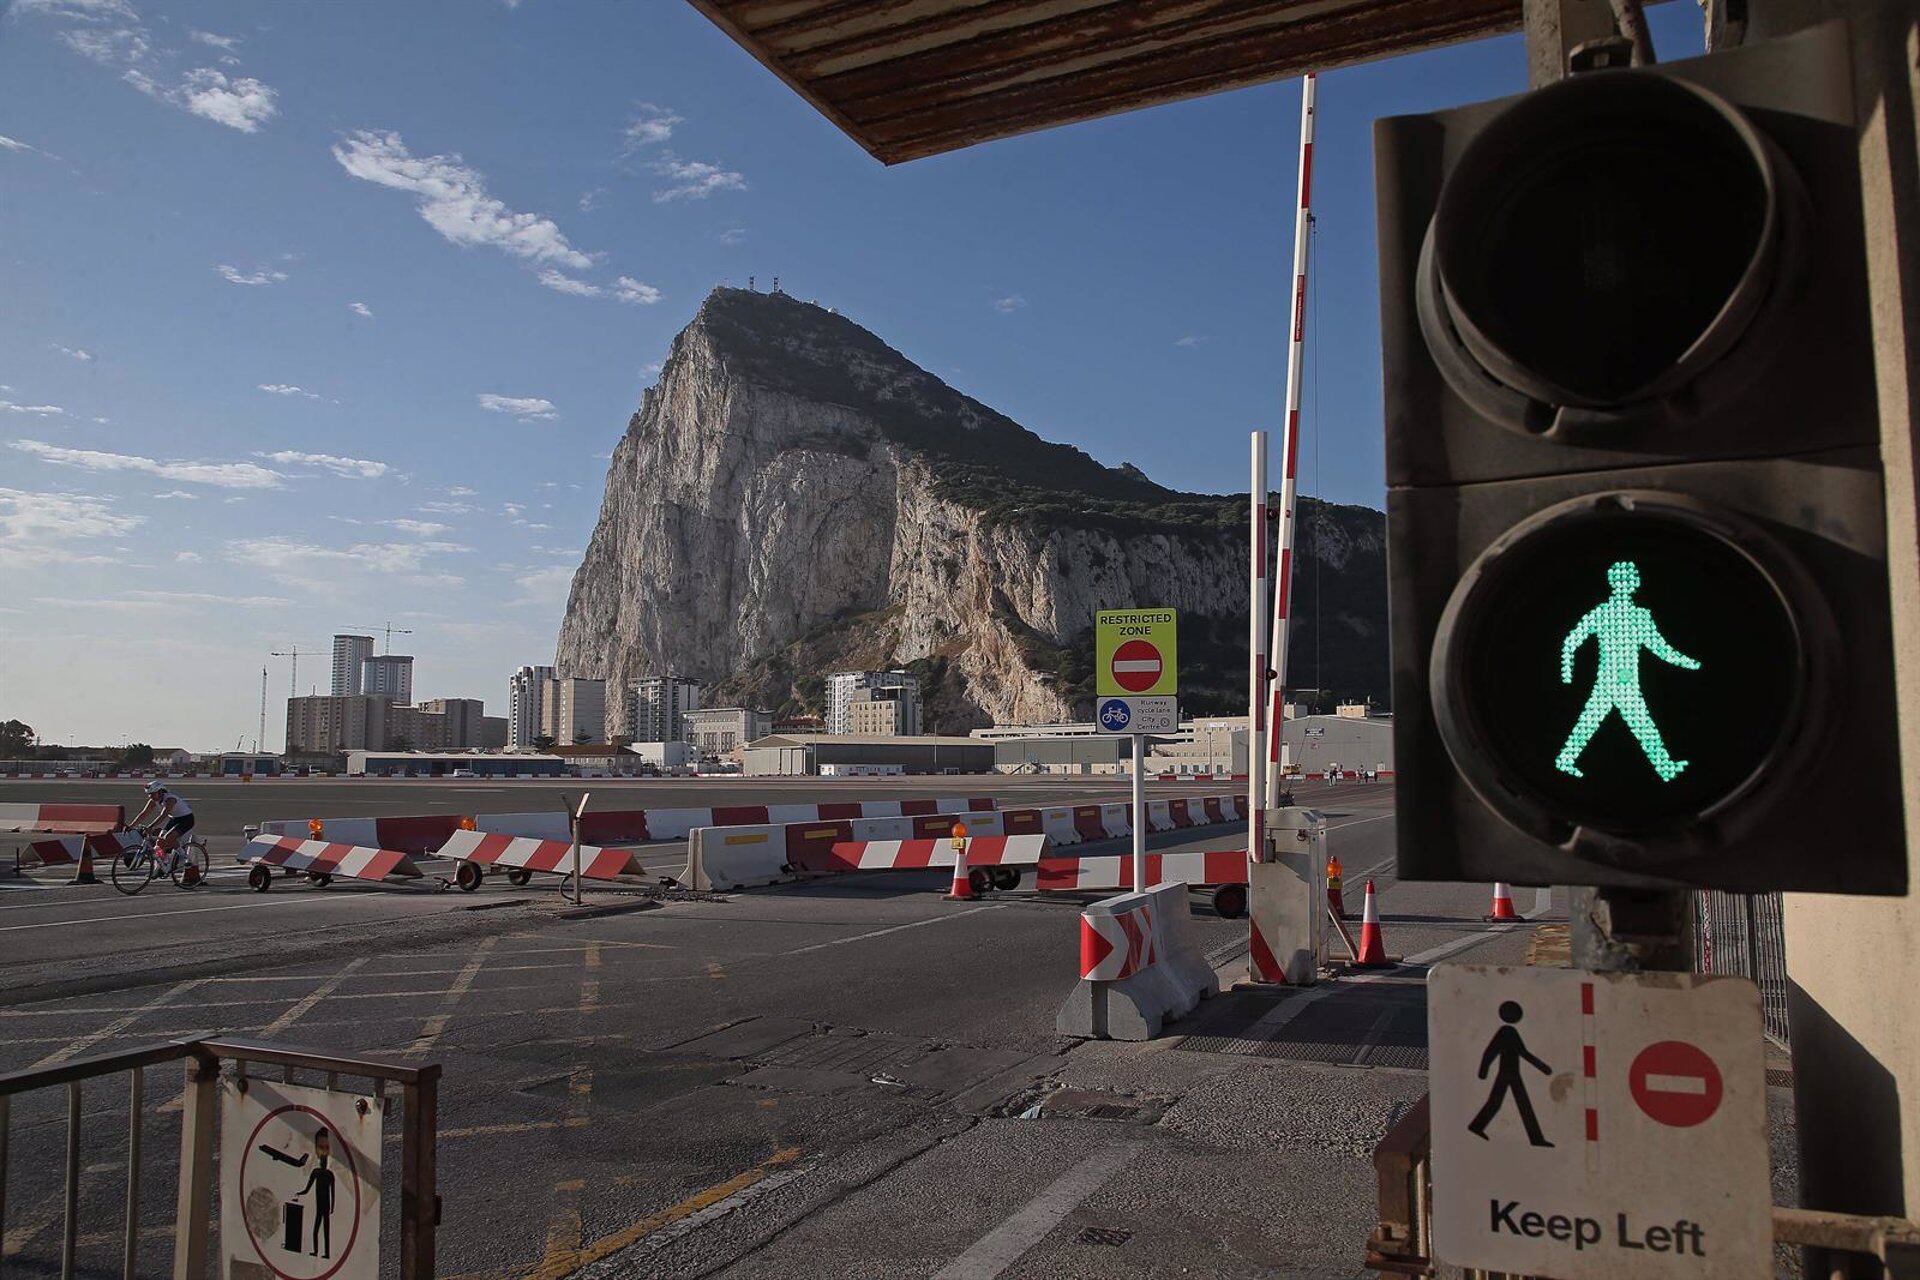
[(1159, 972)]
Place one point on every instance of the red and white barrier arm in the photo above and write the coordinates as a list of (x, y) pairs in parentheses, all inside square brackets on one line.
[(523, 853)]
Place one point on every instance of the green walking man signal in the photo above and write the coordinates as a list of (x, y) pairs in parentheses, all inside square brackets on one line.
[(1622, 629)]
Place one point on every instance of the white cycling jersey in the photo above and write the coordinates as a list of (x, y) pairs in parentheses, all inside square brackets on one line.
[(175, 806)]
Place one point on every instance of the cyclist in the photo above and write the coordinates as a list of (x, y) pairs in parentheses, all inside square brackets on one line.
[(171, 814)]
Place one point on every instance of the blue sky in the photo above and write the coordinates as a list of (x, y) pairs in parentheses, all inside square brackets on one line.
[(320, 315)]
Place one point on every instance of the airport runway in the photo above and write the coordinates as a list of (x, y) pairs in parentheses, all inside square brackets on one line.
[(760, 1064)]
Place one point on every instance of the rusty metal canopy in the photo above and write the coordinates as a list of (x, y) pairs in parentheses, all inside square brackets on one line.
[(912, 78)]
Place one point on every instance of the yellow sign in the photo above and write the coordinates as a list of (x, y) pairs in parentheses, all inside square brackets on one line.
[(1136, 653)]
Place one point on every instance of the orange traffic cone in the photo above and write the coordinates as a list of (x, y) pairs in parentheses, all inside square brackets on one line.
[(962, 890), (85, 874), (1373, 947), (1502, 902)]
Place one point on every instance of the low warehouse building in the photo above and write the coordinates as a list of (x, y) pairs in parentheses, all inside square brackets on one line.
[(1316, 742), (428, 764), (850, 755)]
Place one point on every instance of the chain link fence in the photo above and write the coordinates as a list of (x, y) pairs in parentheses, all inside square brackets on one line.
[(1745, 934)]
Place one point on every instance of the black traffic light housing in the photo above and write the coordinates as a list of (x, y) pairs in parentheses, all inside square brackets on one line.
[(1632, 426)]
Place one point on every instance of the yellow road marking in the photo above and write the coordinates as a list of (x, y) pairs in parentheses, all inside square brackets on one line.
[(77, 1047), (563, 1261), (437, 1024), (313, 998)]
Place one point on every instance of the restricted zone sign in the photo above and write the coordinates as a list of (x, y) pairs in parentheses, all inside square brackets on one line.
[(1136, 653), (299, 1183), (1590, 1125)]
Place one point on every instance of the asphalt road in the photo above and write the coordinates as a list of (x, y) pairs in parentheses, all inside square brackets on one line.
[(825, 1079)]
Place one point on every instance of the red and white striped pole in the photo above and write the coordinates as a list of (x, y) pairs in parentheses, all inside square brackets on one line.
[(1290, 443), (1257, 650)]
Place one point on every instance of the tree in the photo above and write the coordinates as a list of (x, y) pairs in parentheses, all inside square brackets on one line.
[(16, 740), (545, 743), (138, 755)]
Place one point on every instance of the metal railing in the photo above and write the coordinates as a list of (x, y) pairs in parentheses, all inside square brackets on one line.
[(1745, 934), (1402, 1241), (193, 1219)]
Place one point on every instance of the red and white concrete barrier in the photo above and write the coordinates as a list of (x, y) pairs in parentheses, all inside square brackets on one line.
[(1211, 867), (917, 855), (323, 858), (1140, 966), (62, 819), (66, 852), (411, 833)]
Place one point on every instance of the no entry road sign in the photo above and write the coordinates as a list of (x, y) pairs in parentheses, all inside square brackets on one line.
[(1136, 653), (1598, 1125), (1676, 1083)]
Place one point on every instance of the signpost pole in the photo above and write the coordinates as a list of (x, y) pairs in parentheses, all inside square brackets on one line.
[(1139, 823)]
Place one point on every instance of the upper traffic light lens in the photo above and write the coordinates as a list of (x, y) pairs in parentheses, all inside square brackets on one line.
[(1626, 667), (1604, 239)]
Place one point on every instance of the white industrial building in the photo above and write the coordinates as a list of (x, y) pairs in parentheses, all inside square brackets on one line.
[(843, 687)]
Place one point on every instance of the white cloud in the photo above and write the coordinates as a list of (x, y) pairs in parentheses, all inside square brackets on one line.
[(1012, 302), (650, 125), (627, 289), (221, 475), (461, 491), (312, 564), (544, 586), (446, 508), (525, 408), (40, 410), (152, 601), (1191, 340), (234, 275), (111, 33), (360, 309), (288, 389), (42, 528), (560, 282), (244, 103), (177, 493), (188, 557), (14, 144), (650, 368), (733, 235), (588, 199), (419, 528), (75, 353), (353, 468), (693, 179), (453, 199), (229, 43)]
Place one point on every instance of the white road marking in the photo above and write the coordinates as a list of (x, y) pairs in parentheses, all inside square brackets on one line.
[(312, 998), (1000, 1248), (155, 915), (437, 1024), (1542, 903), (77, 1047), (1378, 817), (862, 937)]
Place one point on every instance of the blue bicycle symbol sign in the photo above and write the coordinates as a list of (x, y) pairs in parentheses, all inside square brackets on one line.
[(1115, 714)]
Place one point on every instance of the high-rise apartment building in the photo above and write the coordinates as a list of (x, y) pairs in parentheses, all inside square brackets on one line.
[(658, 707), (348, 653), (387, 676), (318, 724), (842, 686), (463, 717), (577, 711), (527, 713)]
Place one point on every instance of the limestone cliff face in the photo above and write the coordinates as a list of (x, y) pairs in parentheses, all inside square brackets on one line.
[(795, 497)]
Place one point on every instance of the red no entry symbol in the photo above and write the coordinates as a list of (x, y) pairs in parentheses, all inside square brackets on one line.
[(1136, 666), (1675, 1083)]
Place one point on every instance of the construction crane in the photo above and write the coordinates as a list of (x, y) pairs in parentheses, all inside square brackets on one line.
[(391, 631), (293, 676)]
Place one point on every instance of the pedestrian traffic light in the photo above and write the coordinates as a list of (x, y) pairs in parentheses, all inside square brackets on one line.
[(1635, 520)]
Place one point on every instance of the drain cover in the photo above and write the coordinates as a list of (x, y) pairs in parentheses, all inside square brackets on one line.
[(1115, 1236)]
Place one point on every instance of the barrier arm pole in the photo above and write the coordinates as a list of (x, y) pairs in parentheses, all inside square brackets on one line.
[(1139, 813), (1290, 441), (1256, 648)]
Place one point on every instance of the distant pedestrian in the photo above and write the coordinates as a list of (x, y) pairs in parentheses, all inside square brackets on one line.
[(1333, 774)]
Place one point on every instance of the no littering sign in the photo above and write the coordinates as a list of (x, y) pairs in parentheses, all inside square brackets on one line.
[(300, 1183), (1589, 1126)]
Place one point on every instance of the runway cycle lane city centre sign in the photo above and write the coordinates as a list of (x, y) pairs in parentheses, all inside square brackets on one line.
[(1136, 670), (1596, 1125), (300, 1183)]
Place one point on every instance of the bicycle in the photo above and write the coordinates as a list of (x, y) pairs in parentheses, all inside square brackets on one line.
[(134, 869)]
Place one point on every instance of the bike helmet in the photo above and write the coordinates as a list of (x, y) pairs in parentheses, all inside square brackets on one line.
[(156, 787)]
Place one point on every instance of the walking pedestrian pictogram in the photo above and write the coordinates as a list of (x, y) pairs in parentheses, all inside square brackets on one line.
[(1622, 629), (1508, 1050)]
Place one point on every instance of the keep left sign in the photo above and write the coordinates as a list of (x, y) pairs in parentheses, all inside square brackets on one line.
[(1596, 1125)]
